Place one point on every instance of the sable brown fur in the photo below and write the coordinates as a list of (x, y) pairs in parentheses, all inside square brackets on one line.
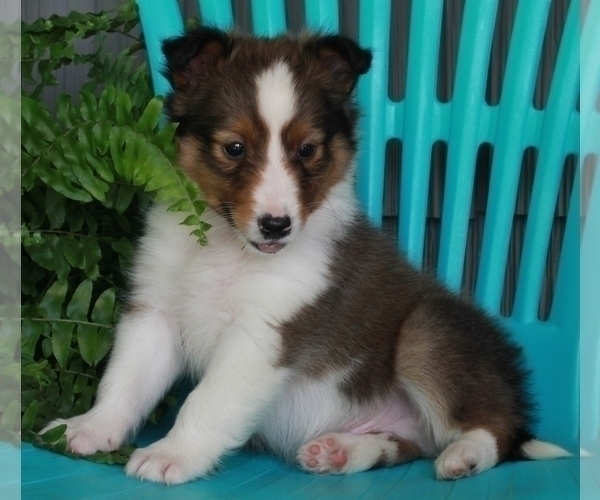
[(399, 327), (214, 74)]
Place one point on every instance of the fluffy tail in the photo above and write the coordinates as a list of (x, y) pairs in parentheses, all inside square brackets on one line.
[(541, 450)]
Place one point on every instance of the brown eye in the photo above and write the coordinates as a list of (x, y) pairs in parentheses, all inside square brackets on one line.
[(306, 151), (234, 150)]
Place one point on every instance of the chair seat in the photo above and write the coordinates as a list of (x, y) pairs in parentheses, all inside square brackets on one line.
[(46, 475)]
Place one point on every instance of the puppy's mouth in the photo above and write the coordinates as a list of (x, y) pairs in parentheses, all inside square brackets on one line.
[(268, 246)]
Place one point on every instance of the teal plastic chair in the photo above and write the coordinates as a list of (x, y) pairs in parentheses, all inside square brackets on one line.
[(590, 264), (419, 121)]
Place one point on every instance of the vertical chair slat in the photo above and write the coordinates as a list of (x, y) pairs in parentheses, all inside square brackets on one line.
[(565, 305), (374, 32), (590, 320), (469, 96), (560, 363), (216, 13), (590, 80), (420, 100), (590, 275), (322, 15), (552, 153), (514, 107), (160, 20), (268, 17), (590, 241)]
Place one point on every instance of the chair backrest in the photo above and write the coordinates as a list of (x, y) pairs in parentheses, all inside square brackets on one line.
[(464, 123), (590, 241)]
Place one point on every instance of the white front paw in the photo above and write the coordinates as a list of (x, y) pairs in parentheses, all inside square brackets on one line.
[(89, 433), (166, 461)]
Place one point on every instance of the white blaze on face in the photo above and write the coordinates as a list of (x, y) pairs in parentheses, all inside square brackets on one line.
[(277, 193)]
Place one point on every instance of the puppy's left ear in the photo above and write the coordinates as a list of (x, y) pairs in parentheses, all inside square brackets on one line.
[(343, 59)]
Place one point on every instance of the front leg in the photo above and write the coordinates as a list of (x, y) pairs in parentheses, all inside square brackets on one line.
[(144, 363), (218, 416)]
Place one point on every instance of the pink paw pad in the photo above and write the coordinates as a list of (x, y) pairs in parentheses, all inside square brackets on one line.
[(323, 455)]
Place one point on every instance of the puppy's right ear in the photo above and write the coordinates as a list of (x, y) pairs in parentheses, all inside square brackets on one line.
[(192, 57)]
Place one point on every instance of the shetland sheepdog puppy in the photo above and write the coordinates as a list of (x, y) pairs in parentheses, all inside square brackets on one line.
[(308, 335)]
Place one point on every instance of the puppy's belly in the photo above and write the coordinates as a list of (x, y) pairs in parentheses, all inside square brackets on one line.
[(312, 408), (396, 416)]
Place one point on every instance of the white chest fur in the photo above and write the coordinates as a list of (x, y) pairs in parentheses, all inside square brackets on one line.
[(223, 289)]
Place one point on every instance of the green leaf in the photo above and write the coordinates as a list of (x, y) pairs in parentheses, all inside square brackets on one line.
[(65, 112), (124, 197), (89, 106), (30, 334), (74, 154), (73, 251), (200, 206), (28, 419), (62, 267), (94, 343), (51, 305), (101, 133), (55, 208), (67, 394), (37, 115), (123, 247), (165, 137), (79, 305), (92, 223), (84, 403), (200, 234), (170, 193), (99, 165), (93, 254), (38, 249), (117, 145), (75, 219), (54, 434), (104, 307), (183, 205), (133, 143), (9, 420), (162, 182), (191, 220), (123, 108), (80, 383), (32, 141), (106, 102), (101, 458), (60, 183), (44, 250), (150, 117), (47, 348), (62, 335), (61, 445)]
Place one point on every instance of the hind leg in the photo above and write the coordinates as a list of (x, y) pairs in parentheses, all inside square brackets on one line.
[(474, 452), (343, 453), (466, 380)]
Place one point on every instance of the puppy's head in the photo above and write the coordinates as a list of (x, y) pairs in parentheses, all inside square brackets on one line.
[(267, 126)]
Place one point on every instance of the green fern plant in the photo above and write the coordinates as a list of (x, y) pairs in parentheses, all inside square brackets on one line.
[(9, 233), (89, 169)]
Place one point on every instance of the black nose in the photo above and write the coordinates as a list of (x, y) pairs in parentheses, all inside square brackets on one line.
[(274, 228)]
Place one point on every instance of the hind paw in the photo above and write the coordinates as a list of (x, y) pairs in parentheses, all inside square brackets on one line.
[(325, 455), (473, 453)]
